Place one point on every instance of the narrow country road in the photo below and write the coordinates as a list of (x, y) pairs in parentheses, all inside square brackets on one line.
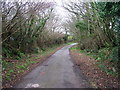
[(58, 71)]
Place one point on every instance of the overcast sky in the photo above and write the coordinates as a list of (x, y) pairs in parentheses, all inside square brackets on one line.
[(60, 10)]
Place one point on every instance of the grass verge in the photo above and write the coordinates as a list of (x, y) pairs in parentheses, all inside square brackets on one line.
[(13, 70), (107, 59)]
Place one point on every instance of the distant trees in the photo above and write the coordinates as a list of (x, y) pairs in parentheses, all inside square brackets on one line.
[(24, 27)]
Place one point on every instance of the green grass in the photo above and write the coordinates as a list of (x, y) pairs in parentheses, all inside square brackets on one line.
[(69, 43), (75, 48), (21, 66)]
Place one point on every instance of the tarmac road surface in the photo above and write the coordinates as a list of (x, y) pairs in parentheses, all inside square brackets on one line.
[(58, 71)]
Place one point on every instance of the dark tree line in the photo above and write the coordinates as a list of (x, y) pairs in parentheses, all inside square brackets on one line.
[(96, 23), (96, 28)]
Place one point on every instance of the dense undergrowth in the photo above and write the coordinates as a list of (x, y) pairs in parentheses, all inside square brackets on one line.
[(107, 59)]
